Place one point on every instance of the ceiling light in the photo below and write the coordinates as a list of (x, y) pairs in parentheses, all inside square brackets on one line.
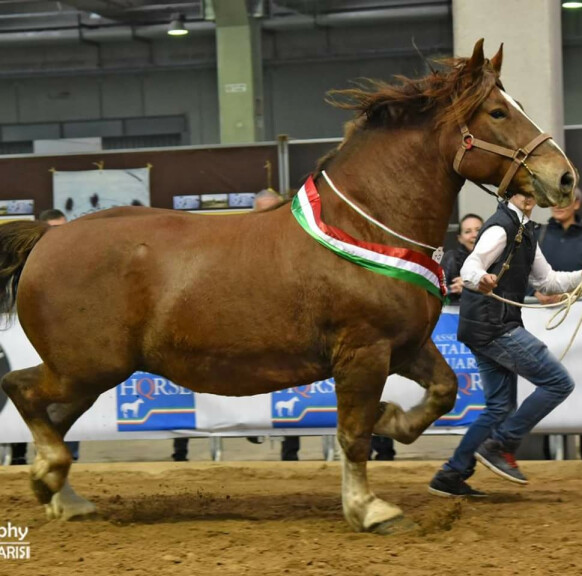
[(572, 5), (176, 27)]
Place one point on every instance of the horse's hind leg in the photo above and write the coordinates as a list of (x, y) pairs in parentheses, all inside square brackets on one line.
[(430, 370), (359, 386), (66, 503), (34, 392)]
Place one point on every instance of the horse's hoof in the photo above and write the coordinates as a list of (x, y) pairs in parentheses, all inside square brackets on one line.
[(398, 525), (79, 509)]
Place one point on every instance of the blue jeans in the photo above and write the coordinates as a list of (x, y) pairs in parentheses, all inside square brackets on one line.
[(500, 362)]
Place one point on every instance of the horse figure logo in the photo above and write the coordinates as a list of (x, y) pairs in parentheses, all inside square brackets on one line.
[(288, 405), (131, 407)]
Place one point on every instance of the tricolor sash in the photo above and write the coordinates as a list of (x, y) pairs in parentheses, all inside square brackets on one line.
[(400, 263)]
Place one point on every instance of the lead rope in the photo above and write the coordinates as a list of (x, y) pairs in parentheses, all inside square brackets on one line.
[(565, 304), (559, 316), (516, 241)]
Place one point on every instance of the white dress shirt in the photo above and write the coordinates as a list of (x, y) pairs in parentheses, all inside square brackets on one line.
[(490, 247)]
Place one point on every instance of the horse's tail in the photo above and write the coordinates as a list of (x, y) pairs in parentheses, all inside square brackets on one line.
[(17, 239)]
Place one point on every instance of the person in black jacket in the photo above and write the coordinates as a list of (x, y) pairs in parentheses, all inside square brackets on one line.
[(453, 260), (503, 348)]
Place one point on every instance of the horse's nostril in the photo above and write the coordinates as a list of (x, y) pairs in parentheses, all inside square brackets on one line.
[(568, 180)]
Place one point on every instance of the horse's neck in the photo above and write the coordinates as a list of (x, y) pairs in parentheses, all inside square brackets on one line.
[(400, 180)]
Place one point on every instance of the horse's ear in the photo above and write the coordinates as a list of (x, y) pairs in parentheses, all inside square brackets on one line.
[(475, 63), (497, 60)]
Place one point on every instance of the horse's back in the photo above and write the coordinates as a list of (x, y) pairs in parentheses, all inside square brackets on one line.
[(125, 211), (106, 256)]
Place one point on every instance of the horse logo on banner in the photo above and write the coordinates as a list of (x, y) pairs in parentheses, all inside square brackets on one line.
[(310, 406), (150, 402)]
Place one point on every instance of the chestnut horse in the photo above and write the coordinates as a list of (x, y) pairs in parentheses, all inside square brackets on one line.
[(253, 303)]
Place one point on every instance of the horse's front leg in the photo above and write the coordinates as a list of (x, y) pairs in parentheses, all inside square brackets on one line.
[(430, 370), (359, 383)]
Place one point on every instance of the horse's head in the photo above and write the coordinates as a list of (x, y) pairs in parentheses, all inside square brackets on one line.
[(496, 143), (485, 135)]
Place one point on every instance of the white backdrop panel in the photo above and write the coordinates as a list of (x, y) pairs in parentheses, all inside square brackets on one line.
[(253, 415)]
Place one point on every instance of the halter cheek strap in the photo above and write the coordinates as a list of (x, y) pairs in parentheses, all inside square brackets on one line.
[(518, 156)]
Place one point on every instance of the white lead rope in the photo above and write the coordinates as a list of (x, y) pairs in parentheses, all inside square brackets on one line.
[(565, 305), (437, 252)]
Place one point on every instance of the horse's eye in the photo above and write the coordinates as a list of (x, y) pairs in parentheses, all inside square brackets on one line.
[(497, 114)]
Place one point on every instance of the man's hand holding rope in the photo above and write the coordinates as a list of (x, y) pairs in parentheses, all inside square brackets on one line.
[(487, 283)]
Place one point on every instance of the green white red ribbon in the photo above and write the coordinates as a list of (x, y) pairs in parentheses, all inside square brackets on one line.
[(401, 263)]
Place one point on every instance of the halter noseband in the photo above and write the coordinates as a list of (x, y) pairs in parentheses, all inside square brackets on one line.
[(518, 156)]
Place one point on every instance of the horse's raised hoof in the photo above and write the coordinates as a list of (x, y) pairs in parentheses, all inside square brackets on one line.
[(66, 505), (398, 525), (394, 422)]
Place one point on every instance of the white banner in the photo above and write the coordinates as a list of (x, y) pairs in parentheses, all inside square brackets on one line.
[(83, 192), (149, 406)]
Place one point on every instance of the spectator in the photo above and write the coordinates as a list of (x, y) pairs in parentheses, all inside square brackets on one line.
[(453, 260), (267, 198), (561, 242), (18, 453), (180, 453), (382, 448), (53, 217)]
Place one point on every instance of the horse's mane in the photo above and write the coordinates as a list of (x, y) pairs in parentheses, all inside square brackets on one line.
[(448, 95)]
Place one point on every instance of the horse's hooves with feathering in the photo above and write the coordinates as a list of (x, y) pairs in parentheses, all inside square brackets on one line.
[(399, 525), (68, 505)]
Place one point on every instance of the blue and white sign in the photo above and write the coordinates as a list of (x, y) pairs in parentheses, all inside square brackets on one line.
[(310, 406), (470, 399), (149, 406), (150, 402)]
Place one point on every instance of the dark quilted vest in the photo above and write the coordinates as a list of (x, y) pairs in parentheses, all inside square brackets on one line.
[(482, 318)]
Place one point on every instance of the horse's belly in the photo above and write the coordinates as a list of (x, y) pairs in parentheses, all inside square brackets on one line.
[(243, 377)]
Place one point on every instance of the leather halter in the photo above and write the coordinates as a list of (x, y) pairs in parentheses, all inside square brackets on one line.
[(518, 156)]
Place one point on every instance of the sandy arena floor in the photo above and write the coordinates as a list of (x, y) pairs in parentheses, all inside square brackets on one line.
[(274, 518)]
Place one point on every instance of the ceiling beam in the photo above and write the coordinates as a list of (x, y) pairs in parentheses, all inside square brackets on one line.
[(112, 9)]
